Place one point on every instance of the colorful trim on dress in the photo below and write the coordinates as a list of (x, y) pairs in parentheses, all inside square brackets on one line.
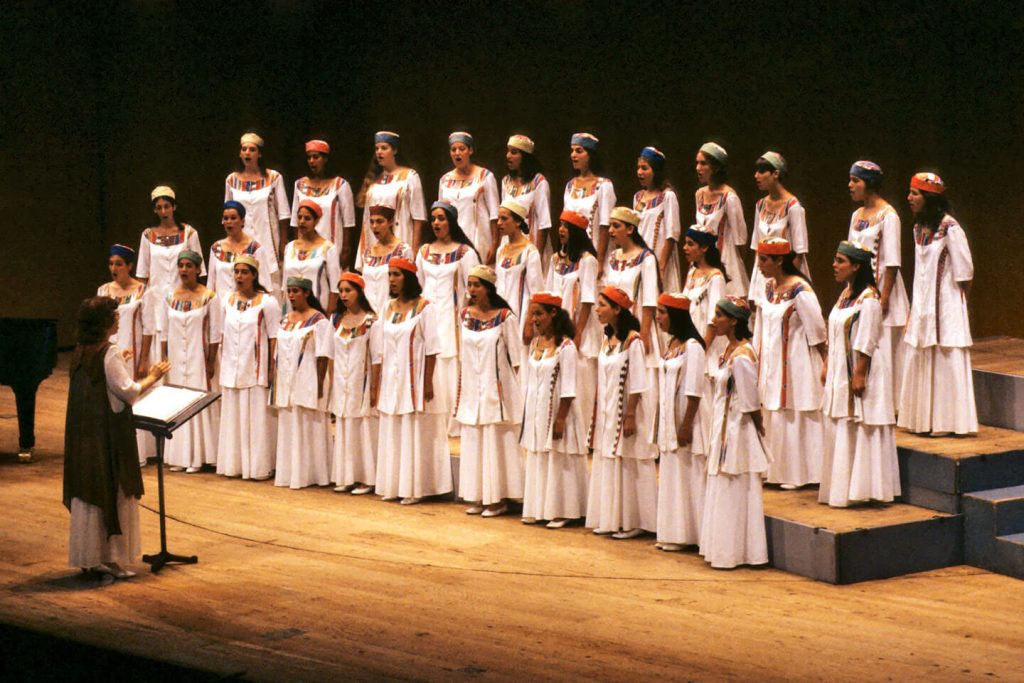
[(359, 330), (319, 251), (476, 325), (311, 191), (242, 185), (583, 192), (401, 250), (767, 216), (227, 256), (452, 181), (127, 298), (640, 206), (302, 324), (180, 237), (513, 190), (186, 305), (435, 259)]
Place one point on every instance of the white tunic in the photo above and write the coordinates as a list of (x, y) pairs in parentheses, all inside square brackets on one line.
[(298, 347), (158, 258), (265, 202), (621, 373), (476, 200), (681, 375), (518, 278), (881, 236), (248, 328), (321, 265), (722, 215), (546, 380), (704, 291), (637, 277), (659, 222), (406, 341), (535, 196), (136, 319), (595, 202), (403, 192), (374, 270), (790, 224), (576, 284), (488, 387), (334, 199), (736, 447), (355, 351), (443, 278), (188, 328), (856, 326), (222, 266), (938, 315)]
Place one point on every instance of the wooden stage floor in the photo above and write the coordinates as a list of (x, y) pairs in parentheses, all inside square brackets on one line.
[(315, 585)]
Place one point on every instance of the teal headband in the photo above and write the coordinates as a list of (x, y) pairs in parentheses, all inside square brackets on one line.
[(854, 251), (192, 256), (732, 309), (301, 283)]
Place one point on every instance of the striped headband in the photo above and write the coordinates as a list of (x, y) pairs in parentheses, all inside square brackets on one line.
[(584, 140), (678, 300), (403, 264), (189, 255), (237, 206), (317, 210), (387, 137), (318, 146), (353, 278), (522, 143), (855, 251), (573, 218), (617, 297), (460, 136), (774, 246), (300, 282), (928, 182), (700, 236), (546, 299), (734, 307), (247, 260), (715, 151), (124, 251)]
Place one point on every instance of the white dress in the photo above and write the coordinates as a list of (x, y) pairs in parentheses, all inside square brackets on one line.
[(790, 224), (489, 409), (222, 266), (321, 265), (158, 258), (519, 277), (938, 389), (374, 270), (788, 327), (334, 199), (413, 460), (723, 216), (303, 425), (595, 202), (356, 350), (659, 222), (683, 476), (881, 236), (638, 277), (535, 196), (860, 455), (704, 290), (189, 328), (623, 479), (248, 427), (476, 200), (443, 278), (136, 319), (556, 469), (403, 192), (266, 204), (732, 530)]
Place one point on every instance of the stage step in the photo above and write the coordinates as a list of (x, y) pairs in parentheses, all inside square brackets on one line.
[(861, 543), (994, 530), (998, 364)]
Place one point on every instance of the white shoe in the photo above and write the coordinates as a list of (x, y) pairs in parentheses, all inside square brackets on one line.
[(474, 509), (623, 535), (361, 490), (495, 512), (558, 524), (263, 477), (175, 468), (670, 547), (192, 470), (603, 532), (411, 500), (529, 520), (788, 487)]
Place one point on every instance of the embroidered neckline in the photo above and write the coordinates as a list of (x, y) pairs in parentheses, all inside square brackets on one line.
[(477, 325), (302, 324)]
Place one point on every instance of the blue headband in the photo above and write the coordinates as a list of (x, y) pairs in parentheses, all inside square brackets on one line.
[(584, 140), (702, 237), (386, 136), (655, 156), (125, 252), (868, 171), (460, 136), (237, 206), (453, 213)]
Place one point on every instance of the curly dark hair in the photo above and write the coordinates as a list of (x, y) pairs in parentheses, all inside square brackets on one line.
[(96, 315)]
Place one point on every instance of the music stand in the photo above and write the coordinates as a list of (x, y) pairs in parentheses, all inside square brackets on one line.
[(162, 429)]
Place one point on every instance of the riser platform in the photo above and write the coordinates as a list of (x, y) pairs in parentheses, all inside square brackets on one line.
[(998, 364)]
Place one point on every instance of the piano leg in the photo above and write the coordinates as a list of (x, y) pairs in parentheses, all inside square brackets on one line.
[(25, 402)]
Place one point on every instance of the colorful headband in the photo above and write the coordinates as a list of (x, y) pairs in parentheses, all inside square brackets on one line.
[(447, 207), (189, 255), (382, 210), (247, 260), (928, 182), (317, 210), (701, 236), (460, 136), (618, 297), (584, 140), (237, 206), (715, 151), (161, 191), (387, 137), (515, 207), (522, 143), (354, 278), (679, 300), (573, 218), (626, 215), (653, 155), (854, 251), (868, 171), (253, 138), (318, 146), (775, 160), (483, 272), (774, 246), (124, 251), (300, 282), (734, 307), (546, 299), (402, 263)]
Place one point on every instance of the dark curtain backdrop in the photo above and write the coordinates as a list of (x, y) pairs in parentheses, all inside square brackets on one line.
[(102, 101)]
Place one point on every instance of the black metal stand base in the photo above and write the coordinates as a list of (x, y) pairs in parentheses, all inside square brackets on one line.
[(157, 562)]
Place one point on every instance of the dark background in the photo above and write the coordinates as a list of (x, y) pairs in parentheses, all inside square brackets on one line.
[(100, 102)]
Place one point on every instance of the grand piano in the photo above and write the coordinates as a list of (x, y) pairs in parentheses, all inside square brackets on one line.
[(28, 354)]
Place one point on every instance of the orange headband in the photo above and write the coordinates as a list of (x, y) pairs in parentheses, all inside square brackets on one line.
[(924, 182), (312, 206), (618, 297), (354, 277), (546, 299), (573, 218), (404, 264), (318, 146), (774, 247), (674, 301)]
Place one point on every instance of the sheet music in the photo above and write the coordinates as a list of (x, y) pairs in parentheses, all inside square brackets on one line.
[(163, 402)]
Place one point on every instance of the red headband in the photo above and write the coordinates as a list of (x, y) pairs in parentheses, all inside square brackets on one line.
[(926, 186), (354, 277), (775, 247), (318, 146), (547, 299), (674, 301), (573, 218), (618, 297), (312, 206), (404, 264)]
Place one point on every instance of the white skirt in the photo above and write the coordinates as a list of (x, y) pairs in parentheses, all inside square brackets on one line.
[(892, 341), (88, 543), (248, 433), (860, 464), (146, 443), (556, 486), (446, 390), (490, 464), (937, 395), (355, 450), (413, 460), (586, 391), (682, 481), (738, 283), (796, 439), (732, 531), (303, 448), (623, 494), (195, 442)]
